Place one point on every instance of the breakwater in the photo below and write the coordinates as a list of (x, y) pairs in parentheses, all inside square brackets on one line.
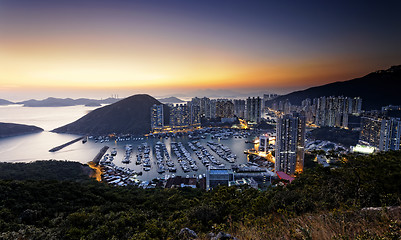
[(55, 149), (100, 154)]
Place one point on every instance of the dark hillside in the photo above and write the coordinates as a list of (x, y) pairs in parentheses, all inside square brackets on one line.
[(128, 116), (376, 89), (13, 129), (5, 102)]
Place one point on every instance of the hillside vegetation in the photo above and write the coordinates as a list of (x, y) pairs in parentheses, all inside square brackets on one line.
[(45, 170), (338, 135), (322, 203)]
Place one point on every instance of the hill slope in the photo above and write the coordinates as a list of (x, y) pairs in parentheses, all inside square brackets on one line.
[(13, 129), (128, 116), (376, 89), (5, 102)]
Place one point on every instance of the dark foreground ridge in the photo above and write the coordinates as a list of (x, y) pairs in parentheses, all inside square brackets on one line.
[(46, 170), (13, 129), (359, 199), (128, 116), (376, 89)]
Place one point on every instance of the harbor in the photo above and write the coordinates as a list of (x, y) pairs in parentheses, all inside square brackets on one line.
[(133, 161)]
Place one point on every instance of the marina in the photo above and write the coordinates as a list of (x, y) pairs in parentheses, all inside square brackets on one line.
[(167, 156)]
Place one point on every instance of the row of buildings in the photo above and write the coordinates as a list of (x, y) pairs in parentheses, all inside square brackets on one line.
[(324, 111), (190, 114)]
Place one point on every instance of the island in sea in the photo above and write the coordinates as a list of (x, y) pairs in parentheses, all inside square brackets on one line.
[(170, 100), (13, 129), (5, 102), (65, 102)]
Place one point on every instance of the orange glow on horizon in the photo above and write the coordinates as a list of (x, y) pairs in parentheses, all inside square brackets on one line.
[(76, 66)]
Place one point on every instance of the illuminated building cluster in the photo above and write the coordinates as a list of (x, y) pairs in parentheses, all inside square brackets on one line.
[(324, 111), (381, 133)]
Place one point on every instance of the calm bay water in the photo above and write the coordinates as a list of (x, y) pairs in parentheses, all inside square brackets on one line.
[(36, 146)]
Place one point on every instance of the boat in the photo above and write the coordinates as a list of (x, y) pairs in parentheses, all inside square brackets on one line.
[(161, 170), (172, 169), (114, 152)]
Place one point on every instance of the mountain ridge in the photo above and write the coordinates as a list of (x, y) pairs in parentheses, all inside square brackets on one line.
[(65, 102), (377, 89), (5, 102)]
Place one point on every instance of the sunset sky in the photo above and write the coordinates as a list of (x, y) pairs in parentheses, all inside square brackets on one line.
[(98, 48)]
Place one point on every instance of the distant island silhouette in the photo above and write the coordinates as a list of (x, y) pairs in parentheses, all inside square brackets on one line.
[(13, 129)]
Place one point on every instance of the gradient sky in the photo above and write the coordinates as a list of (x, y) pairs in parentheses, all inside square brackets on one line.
[(98, 48)]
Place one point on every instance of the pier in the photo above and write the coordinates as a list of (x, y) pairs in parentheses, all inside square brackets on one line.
[(100, 154), (55, 149)]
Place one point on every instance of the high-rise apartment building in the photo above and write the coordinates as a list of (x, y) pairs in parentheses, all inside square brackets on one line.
[(157, 118), (213, 108), (390, 134), (253, 109), (194, 109), (239, 108), (370, 131), (224, 108), (179, 116), (205, 107), (290, 144), (383, 134)]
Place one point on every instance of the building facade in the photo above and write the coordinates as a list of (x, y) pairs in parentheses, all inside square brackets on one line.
[(380, 133), (290, 142), (179, 116), (253, 111), (224, 108), (239, 108), (157, 117)]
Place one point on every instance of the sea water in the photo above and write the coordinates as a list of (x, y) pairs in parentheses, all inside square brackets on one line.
[(32, 147)]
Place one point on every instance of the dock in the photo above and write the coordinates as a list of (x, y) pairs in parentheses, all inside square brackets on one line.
[(55, 149), (100, 154)]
